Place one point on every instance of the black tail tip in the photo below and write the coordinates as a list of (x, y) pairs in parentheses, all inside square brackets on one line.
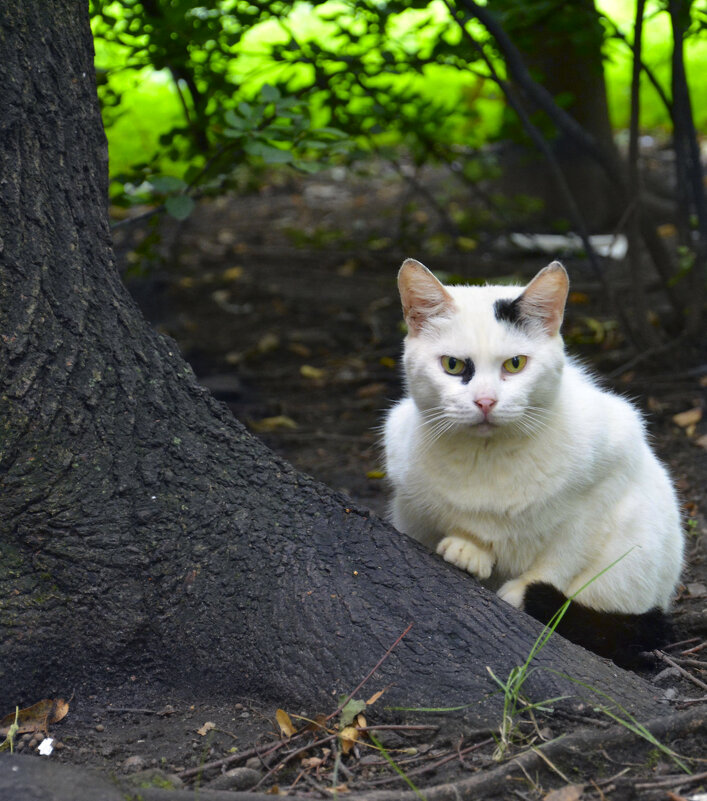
[(626, 639)]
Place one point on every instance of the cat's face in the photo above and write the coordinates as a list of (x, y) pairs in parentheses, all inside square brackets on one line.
[(484, 360)]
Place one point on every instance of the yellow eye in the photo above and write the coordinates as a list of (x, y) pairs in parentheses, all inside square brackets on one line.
[(515, 365), (452, 365)]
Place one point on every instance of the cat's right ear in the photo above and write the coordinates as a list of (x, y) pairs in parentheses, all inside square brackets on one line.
[(422, 295), (543, 300)]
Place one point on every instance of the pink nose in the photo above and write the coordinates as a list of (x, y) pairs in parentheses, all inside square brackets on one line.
[(485, 404)]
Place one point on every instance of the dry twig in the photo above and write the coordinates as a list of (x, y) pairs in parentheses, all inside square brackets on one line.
[(685, 673), (678, 780)]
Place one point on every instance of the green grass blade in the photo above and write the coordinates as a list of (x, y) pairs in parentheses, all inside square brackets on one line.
[(397, 767), (629, 722)]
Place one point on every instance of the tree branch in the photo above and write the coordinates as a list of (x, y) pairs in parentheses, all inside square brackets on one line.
[(539, 141)]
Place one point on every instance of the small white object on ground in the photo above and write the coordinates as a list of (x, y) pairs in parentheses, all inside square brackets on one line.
[(45, 747)]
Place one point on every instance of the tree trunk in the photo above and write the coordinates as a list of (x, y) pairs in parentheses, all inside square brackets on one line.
[(561, 44), (143, 531)]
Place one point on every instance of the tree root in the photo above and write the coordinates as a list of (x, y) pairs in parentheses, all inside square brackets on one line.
[(567, 748)]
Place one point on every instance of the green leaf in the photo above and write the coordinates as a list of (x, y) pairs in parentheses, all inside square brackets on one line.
[(308, 166), (246, 109), (349, 712), (331, 132), (167, 183), (179, 206), (269, 94), (315, 144), (233, 120), (269, 154)]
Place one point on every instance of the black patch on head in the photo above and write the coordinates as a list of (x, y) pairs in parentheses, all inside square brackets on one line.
[(468, 373), (508, 311), (626, 639)]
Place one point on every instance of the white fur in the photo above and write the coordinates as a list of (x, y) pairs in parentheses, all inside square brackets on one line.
[(560, 486)]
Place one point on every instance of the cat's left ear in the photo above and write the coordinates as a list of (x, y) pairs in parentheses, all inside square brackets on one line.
[(545, 296), (422, 295)]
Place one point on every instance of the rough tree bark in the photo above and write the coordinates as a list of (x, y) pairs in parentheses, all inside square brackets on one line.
[(142, 530)]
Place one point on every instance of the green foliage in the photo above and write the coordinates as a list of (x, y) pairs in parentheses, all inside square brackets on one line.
[(202, 90), (9, 741), (182, 61), (199, 98)]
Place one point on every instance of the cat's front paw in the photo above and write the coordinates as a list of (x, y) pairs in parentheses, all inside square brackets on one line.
[(468, 556), (513, 592)]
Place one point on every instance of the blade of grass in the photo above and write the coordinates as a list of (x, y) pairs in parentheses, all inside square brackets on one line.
[(628, 722), (411, 784)]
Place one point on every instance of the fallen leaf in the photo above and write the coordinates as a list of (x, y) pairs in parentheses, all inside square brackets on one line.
[(37, 717), (300, 349), (387, 361), (671, 796), (371, 390), (340, 788), (691, 508), (688, 418), (667, 229), (311, 762), (702, 441), (596, 327), (232, 274), (280, 421), (466, 243), (347, 738), (572, 792), (578, 298), (375, 474), (374, 697), (307, 371), (361, 721), (284, 722), (206, 728), (59, 711), (350, 710), (348, 268), (226, 237), (267, 342), (318, 723), (221, 296)]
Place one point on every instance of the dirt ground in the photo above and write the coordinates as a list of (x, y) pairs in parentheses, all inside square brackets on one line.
[(284, 302)]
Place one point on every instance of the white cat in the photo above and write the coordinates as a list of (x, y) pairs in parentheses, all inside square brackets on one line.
[(508, 458)]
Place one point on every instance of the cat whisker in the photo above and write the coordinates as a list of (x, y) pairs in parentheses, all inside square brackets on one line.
[(535, 420), (435, 430)]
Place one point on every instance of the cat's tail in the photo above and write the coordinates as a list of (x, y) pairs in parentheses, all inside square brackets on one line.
[(626, 639)]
